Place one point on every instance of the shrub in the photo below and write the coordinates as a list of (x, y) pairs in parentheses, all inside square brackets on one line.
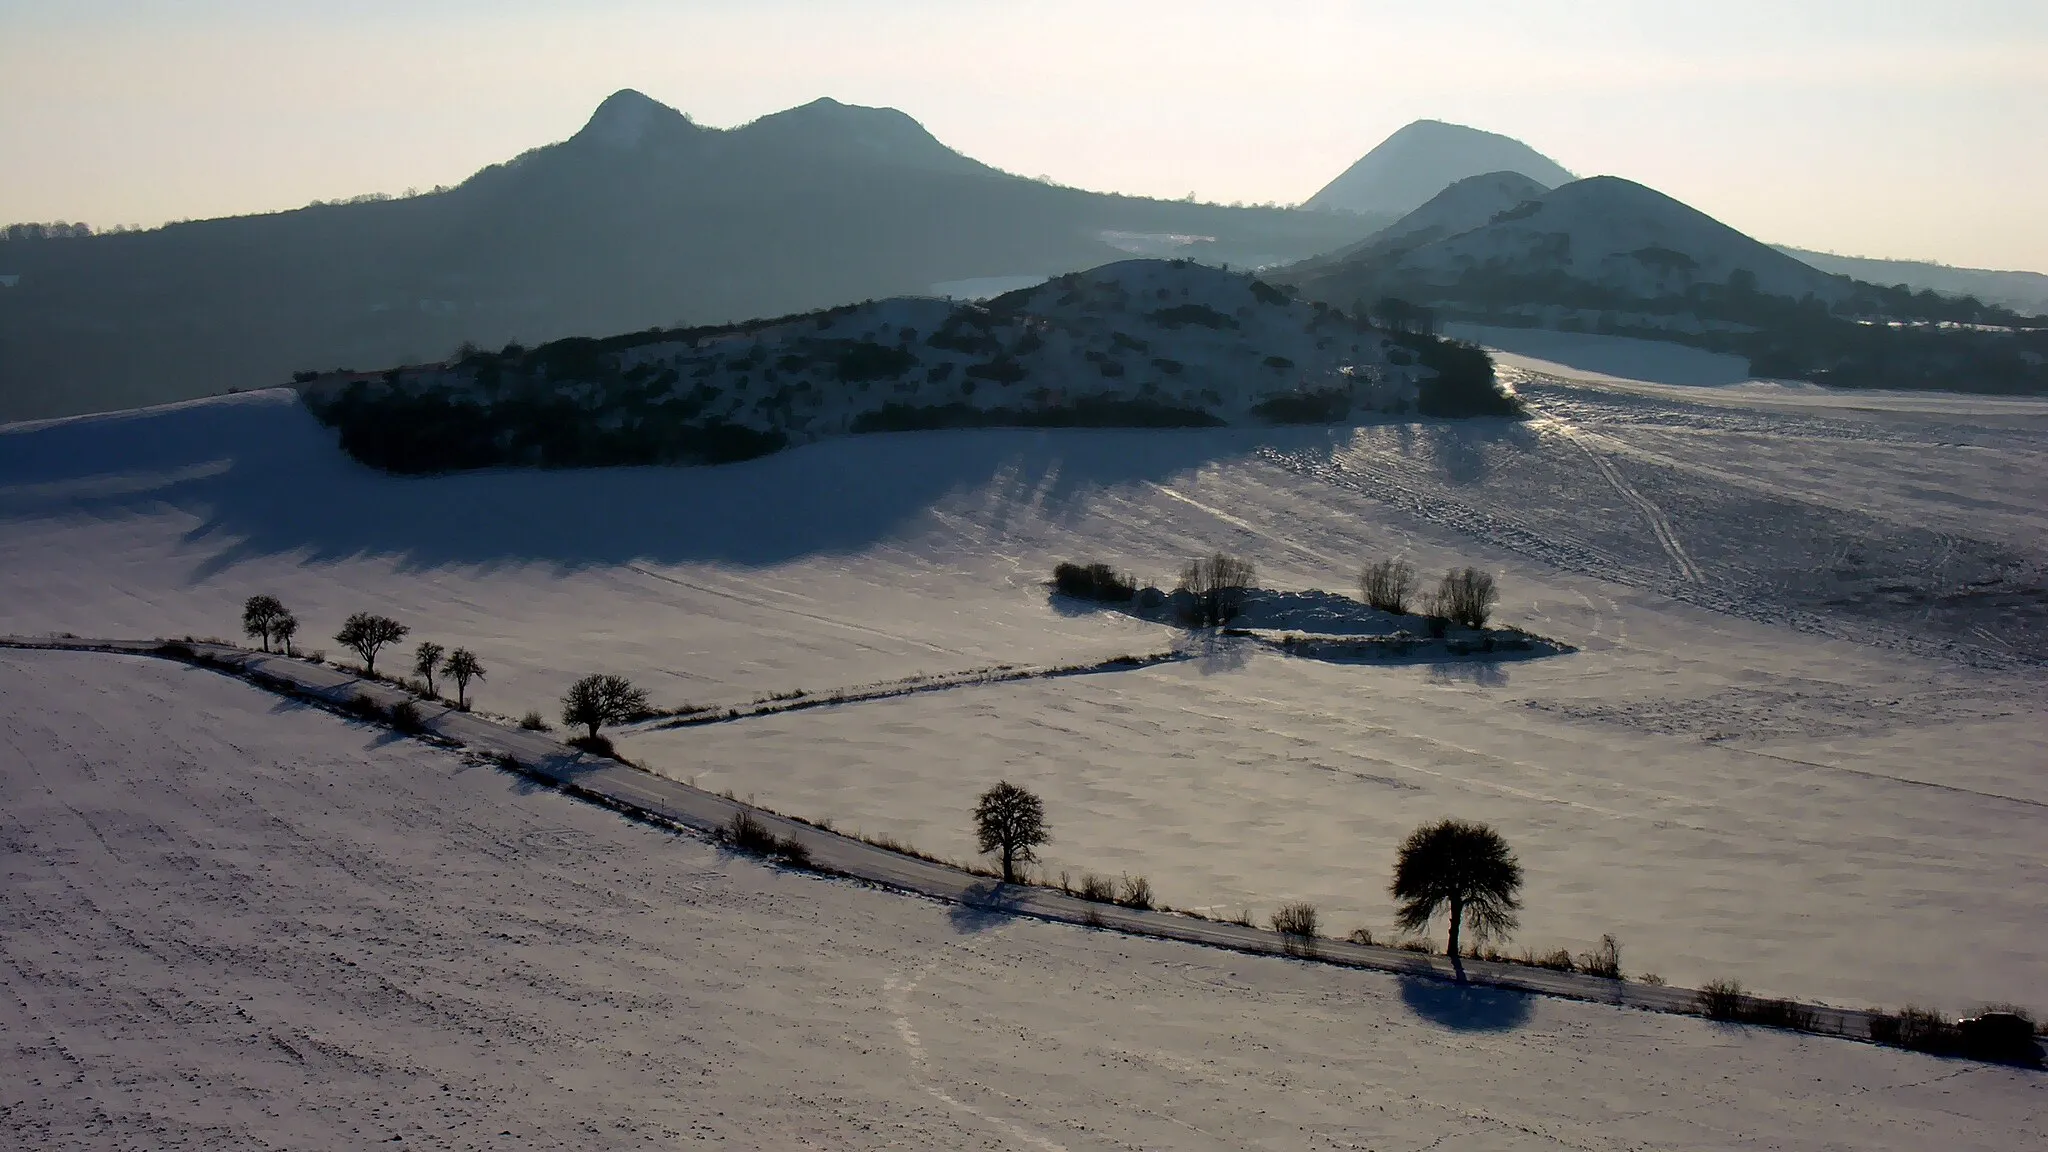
[(533, 721), (1413, 944), (405, 716), (1721, 1000), (363, 707), (790, 851), (595, 745), (1438, 626), (1219, 584), (1320, 406), (1467, 596), (1243, 919), (1604, 960), (1463, 382), (1652, 979), (1361, 936), (175, 649), (1100, 889), (1921, 1029), (1387, 585), (745, 833), (1093, 581), (1781, 1014), (1134, 892), (1557, 961), (1297, 919)]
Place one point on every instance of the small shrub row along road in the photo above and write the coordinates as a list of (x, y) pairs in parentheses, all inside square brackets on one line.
[(670, 803)]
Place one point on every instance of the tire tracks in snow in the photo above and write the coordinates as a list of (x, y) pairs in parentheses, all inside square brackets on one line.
[(1660, 524)]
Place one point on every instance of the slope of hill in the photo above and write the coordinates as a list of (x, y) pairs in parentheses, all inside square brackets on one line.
[(1417, 162), (1470, 203), (1140, 342), (1610, 255), (2023, 292), (642, 218)]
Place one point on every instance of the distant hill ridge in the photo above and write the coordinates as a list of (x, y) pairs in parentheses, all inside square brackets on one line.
[(1134, 343), (642, 218), (1610, 255), (1422, 159)]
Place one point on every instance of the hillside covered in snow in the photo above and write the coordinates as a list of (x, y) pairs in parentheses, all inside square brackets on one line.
[(1140, 343), (1609, 255)]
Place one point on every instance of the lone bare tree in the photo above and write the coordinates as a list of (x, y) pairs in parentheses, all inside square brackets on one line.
[(1010, 820), (1466, 596), (1218, 584), (462, 667), (600, 699), (427, 661), (1465, 867), (366, 635), (1387, 585), (283, 629), (259, 618)]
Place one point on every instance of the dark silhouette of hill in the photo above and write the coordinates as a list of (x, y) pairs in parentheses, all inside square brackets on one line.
[(1425, 157), (1609, 255), (2023, 292), (642, 218)]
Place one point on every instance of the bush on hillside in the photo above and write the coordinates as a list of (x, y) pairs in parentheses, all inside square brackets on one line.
[(1322, 406), (1094, 581), (1466, 596), (1387, 585), (1463, 382)]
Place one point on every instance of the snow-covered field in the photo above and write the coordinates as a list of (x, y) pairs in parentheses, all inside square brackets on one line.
[(230, 922), (1801, 747)]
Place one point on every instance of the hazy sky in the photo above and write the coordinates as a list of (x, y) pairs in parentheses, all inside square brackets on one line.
[(1871, 128)]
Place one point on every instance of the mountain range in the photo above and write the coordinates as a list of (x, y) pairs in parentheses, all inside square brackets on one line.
[(642, 218), (646, 219)]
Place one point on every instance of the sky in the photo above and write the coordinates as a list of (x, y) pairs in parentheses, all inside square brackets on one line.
[(1904, 130)]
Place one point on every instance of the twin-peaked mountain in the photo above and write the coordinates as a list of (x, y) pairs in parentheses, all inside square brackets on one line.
[(642, 218)]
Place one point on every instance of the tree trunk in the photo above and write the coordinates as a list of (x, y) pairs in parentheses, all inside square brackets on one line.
[(1457, 919), (1009, 863)]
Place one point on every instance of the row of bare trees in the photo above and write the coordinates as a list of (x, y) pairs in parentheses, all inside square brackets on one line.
[(1464, 596), (266, 619), (1454, 867)]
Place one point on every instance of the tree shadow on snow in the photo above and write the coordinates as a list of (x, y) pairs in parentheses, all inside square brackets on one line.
[(986, 905), (1466, 1007)]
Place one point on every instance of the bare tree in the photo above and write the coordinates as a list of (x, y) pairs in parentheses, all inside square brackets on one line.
[(1466, 596), (426, 662), (1009, 820), (1218, 584), (1387, 585), (283, 629), (462, 667), (366, 635), (259, 618), (1465, 867), (600, 699)]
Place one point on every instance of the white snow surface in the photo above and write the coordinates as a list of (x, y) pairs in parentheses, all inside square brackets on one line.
[(1800, 746), (234, 923)]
